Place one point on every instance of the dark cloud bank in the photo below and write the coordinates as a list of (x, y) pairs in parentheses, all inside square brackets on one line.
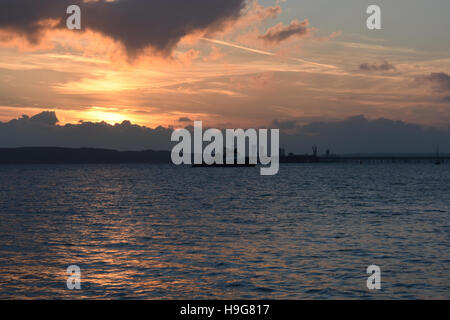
[(360, 135), (137, 24), (42, 130), (353, 135)]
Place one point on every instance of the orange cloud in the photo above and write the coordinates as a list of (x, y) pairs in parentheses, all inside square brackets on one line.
[(280, 32), (215, 55)]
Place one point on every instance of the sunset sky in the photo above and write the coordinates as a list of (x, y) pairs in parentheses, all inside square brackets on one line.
[(232, 63)]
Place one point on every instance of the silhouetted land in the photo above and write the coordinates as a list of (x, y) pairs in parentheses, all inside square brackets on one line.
[(83, 155), (53, 155)]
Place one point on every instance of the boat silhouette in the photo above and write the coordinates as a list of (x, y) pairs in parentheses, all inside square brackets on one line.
[(438, 161)]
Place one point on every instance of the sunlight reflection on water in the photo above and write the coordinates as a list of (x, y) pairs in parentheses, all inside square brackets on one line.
[(149, 231)]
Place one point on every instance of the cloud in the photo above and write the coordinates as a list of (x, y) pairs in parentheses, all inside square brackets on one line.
[(46, 117), (41, 130), (252, 16), (385, 66), (257, 13), (186, 58), (284, 124), (185, 119), (353, 135), (28, 17), (264, 13), (280, 32), (440, 81), (215, 55), (360, 135), (137, 24)]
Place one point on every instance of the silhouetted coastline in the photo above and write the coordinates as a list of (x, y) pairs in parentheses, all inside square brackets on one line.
[(56, 155)]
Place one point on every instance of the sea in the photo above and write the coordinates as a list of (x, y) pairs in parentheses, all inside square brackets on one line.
[(140, 231)]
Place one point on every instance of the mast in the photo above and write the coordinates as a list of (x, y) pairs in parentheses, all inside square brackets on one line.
[(437, 155)]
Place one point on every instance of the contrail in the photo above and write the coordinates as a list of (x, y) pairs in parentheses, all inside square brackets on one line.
[(265, 53), (229, 44)]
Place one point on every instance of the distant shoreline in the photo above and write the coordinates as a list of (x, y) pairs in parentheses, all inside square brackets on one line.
[(57, 155)]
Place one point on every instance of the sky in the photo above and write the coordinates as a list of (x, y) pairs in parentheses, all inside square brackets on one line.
[(229, 63)]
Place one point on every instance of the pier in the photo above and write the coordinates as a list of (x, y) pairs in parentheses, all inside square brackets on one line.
[(364, 159)]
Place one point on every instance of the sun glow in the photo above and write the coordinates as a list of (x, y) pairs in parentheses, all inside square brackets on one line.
[(116, 115), (106, 116)]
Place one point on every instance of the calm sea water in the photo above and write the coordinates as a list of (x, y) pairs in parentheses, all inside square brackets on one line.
[(165, 232)]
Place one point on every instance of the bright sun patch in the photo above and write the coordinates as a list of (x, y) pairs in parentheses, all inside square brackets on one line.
[(98, 114)]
